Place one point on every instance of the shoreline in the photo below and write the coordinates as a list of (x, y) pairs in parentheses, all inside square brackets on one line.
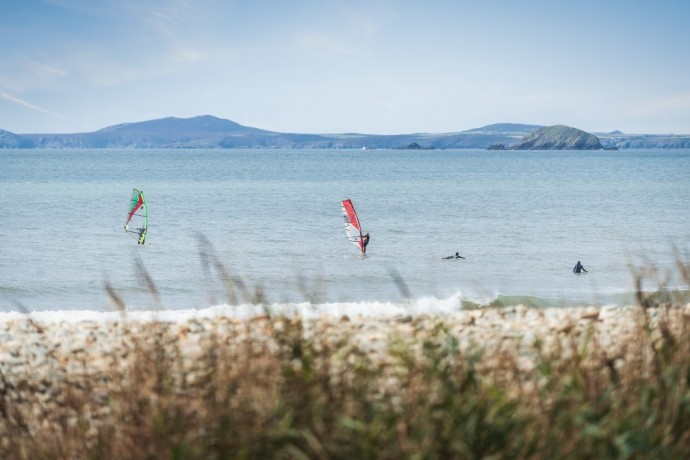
[(84, 379), (29, 345)]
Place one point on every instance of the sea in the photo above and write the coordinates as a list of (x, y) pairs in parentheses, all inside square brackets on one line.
[(243, 232)]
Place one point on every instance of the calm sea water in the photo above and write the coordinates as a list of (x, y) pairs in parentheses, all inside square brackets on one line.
[(273, 218)]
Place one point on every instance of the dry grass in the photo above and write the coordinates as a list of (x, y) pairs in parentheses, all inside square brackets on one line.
[(276, 387)]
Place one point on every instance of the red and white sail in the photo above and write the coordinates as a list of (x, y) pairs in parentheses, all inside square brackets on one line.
[(352, 227)]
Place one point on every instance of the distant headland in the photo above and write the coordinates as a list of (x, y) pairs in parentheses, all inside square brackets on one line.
[(209, 132), (558, 137)]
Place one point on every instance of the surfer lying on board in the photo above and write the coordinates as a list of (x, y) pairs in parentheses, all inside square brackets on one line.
[(579, 268), (365, 241), (456, 256)]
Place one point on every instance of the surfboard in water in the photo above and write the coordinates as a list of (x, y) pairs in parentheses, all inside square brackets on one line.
[(137, 223), (353, 229)]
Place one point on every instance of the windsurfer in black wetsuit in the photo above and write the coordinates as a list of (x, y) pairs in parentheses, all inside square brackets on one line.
[(456, 256), (365, 241), (579, 268)]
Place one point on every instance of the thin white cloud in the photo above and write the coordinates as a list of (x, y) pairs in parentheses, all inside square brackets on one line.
[(185, 56), (168, 17), (351, 32), (26, 73), (28, 105), (48, 71), (673, 103), (322, 43), (362, 23)]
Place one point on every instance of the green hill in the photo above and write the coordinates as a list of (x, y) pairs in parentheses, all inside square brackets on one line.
[(559, 137)]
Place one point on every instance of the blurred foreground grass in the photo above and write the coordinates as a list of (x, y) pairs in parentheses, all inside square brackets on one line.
[(296, 390)]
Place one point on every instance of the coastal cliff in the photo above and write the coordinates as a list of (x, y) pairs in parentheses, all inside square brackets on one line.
[(9, 140)]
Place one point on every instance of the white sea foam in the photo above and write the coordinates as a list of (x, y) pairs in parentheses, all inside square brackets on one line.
[(307, 310)]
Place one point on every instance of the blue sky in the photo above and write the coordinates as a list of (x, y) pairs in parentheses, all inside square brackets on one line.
[(330, 66)]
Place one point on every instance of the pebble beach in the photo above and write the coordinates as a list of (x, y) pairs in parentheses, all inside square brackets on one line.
[(86, 387), (31, 349)]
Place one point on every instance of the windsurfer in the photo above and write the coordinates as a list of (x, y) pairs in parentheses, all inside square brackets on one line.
[(579, 268), (365, 241), (137, 217), (456, 256)]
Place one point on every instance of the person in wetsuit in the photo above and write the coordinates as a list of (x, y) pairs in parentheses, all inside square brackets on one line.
[(365, 241), (579, 268), (456, 256)]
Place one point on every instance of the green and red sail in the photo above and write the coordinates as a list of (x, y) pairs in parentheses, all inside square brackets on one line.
[(137, 217)]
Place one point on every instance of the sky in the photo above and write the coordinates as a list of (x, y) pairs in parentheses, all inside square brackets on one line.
[(336, 66)]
